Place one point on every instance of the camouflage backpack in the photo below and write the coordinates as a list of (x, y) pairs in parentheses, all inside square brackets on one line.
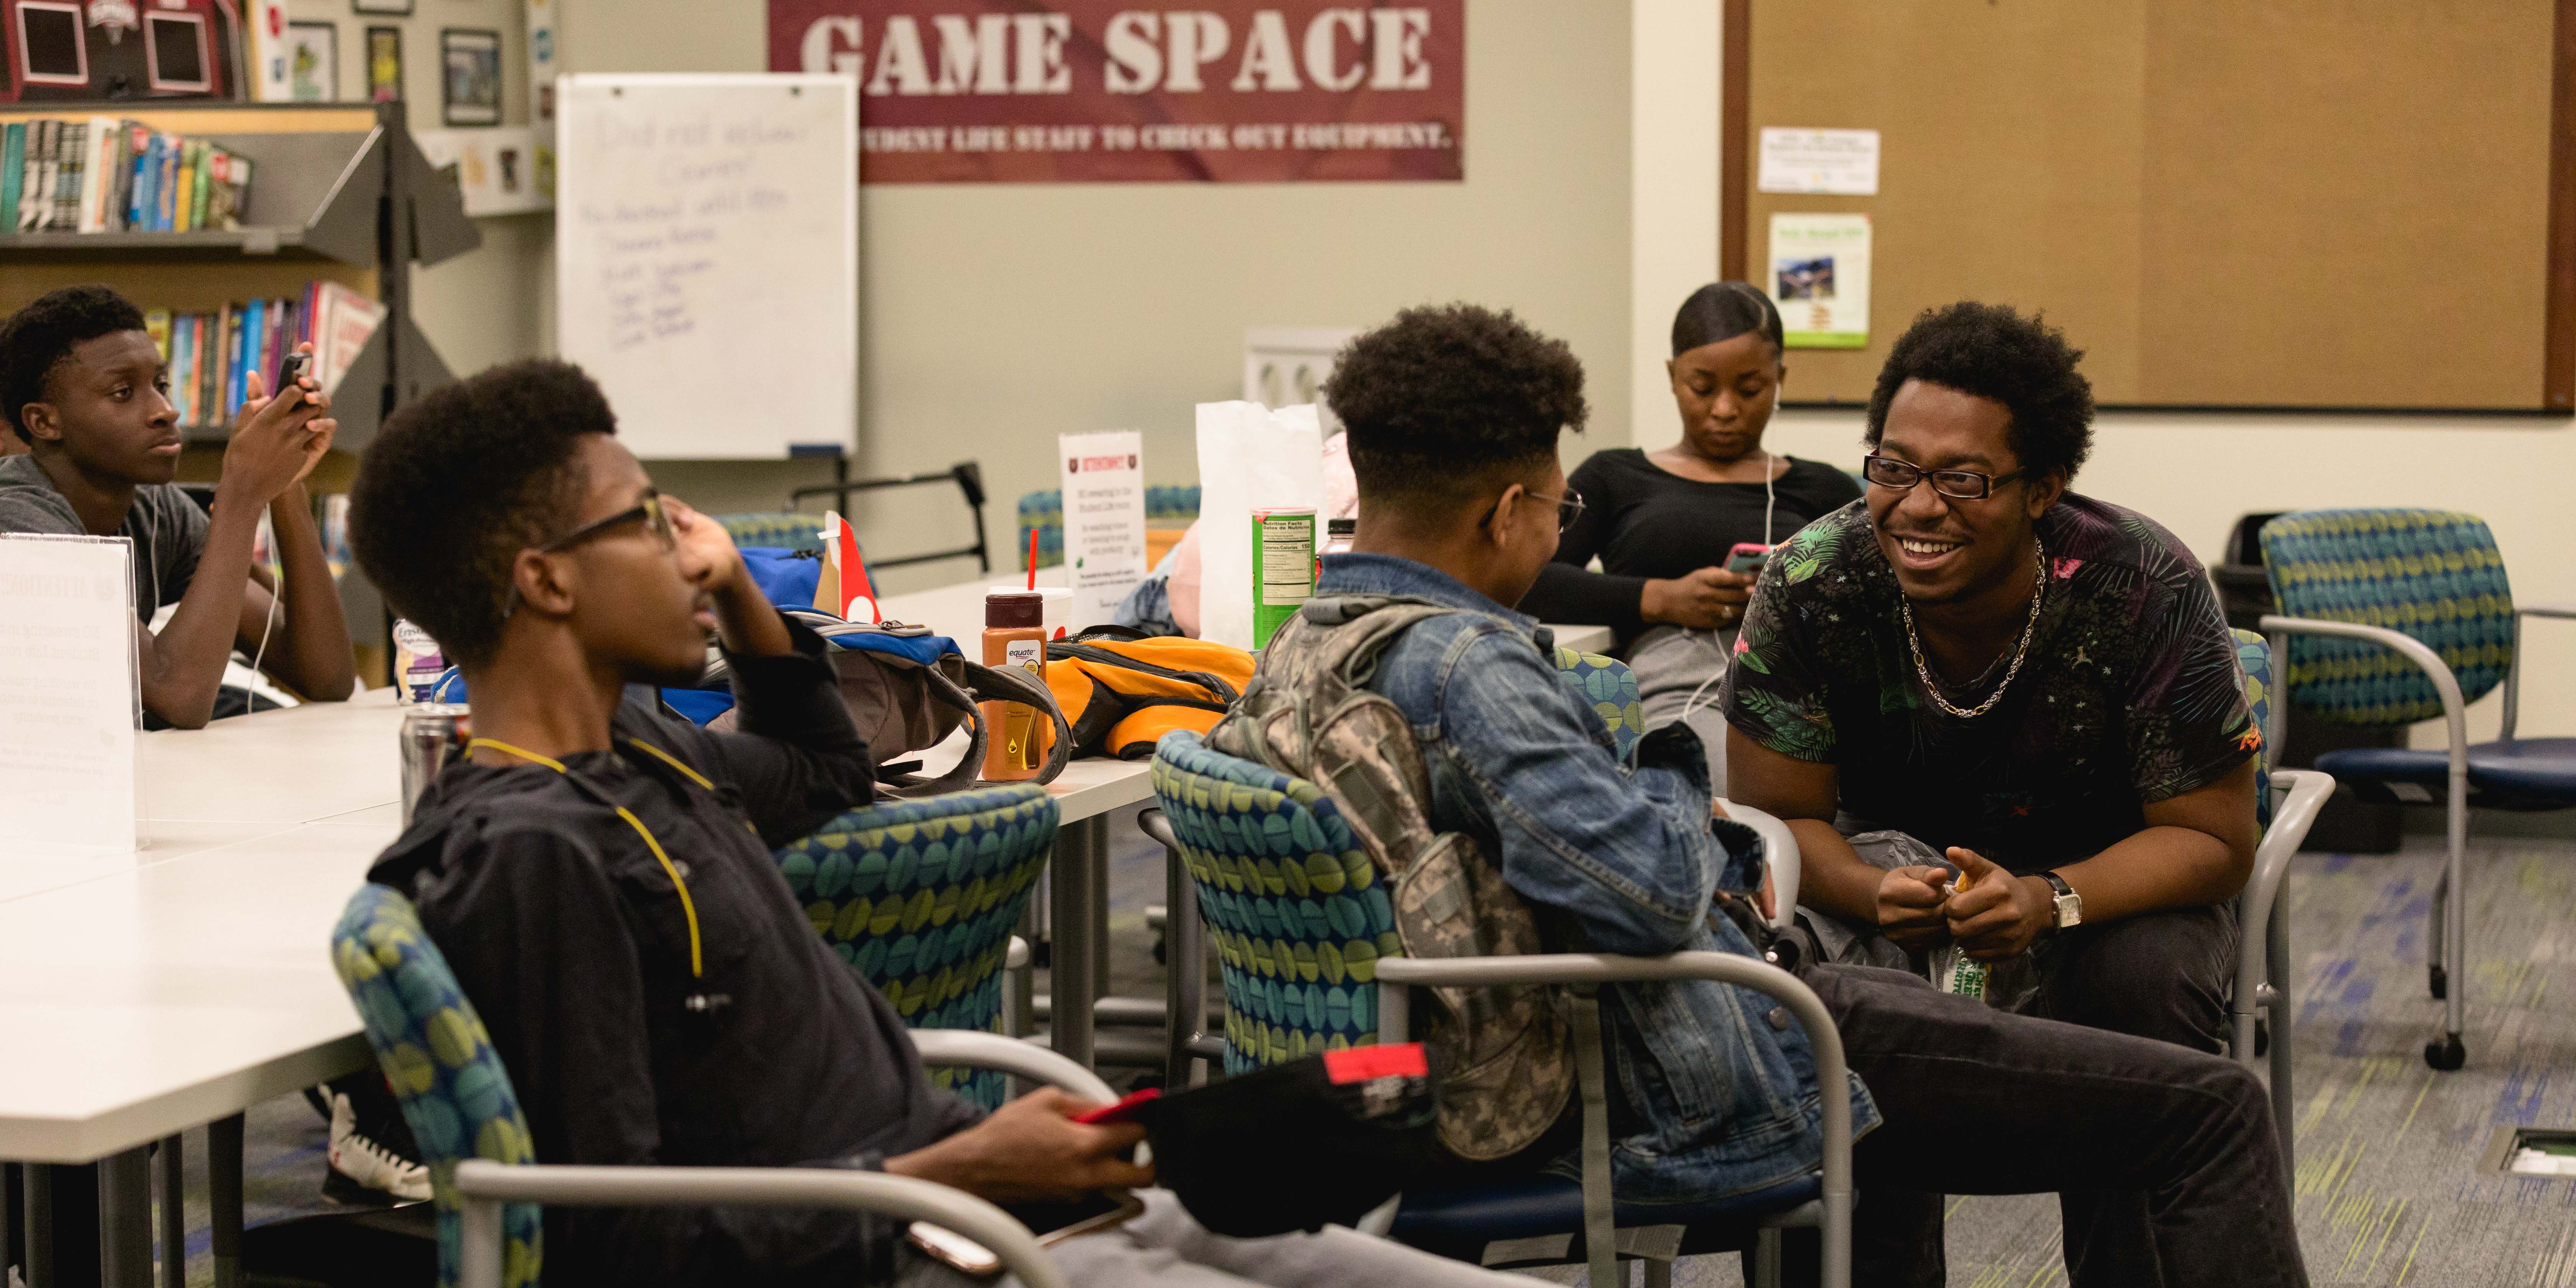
[(1308, 713)]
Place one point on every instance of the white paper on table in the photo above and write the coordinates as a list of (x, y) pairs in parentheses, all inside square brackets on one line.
[(1842, 162), (1819, 279), (69, 695), (1104, 521), (1249, 458)]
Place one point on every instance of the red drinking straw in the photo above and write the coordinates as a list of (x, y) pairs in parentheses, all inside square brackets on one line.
[(1033, 559)]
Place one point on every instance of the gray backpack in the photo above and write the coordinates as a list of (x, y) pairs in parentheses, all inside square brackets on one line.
[(1510, 1061)]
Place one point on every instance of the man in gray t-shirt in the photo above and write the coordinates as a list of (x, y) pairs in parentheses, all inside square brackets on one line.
[(85, 390)]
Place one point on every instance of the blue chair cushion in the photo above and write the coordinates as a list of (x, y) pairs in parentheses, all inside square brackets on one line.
[(1458, 1223), (2525, 774)]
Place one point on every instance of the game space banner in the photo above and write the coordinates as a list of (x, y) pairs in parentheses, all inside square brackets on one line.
[(1076, 91)]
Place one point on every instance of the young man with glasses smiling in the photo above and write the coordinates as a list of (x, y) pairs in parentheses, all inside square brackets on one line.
[(1977, 667)]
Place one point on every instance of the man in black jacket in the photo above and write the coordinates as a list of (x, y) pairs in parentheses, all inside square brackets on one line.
[(599, 877)]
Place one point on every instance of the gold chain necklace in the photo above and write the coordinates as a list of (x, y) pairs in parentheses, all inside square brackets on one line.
[(2038, 593)]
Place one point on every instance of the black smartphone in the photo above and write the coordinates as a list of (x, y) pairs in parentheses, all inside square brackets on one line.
[(293, 367)]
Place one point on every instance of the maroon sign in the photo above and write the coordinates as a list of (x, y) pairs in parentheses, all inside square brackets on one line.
[(1070, 91)]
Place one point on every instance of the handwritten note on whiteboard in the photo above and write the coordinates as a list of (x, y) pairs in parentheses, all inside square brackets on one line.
[(67, 695), (706, 253)]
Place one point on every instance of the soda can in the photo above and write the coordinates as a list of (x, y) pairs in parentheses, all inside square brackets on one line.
[(431, 731), (1283, 568)]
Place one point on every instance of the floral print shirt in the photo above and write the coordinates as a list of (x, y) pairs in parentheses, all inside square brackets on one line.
[(2130, 694)]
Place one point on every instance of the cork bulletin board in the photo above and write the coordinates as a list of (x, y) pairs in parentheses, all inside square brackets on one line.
[(2303, 204)]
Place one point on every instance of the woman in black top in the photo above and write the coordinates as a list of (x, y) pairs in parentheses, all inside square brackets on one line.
[(1663, 522)]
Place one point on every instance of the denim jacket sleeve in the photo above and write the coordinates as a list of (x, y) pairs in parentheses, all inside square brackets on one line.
[(1626, 854)]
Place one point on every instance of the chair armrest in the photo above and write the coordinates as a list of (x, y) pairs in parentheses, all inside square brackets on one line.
[(971, 1049), (2512, 713), (1780, 850), (2303, 793), (2562, 612), (1726, 968), (1158, 829), (2445, 684), (484, 1186)]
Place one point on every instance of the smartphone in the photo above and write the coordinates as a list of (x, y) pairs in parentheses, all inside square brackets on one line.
[(290, 369), (953, 1250), (1747, 556), (1123, 1111), (960, 1253)]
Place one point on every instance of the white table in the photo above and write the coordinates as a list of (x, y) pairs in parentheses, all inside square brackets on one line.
[(180, 984)]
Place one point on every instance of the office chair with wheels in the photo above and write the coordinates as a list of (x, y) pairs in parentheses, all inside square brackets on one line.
[(2390, 617)]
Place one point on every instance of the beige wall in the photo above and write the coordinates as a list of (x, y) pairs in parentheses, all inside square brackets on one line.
[(995, 317)]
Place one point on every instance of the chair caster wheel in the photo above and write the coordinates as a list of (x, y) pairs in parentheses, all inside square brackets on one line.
[(2441, 983), (2446, 1054), (1162, 952)]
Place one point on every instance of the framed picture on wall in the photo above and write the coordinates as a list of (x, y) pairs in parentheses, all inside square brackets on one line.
[(313, 61), (470, 75), (384, 65), (399, 7)]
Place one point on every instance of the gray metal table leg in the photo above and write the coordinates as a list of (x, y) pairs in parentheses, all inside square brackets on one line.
[(224, 1194), (174, 1212), (1097, 886), (40, 1226), (125, 1219), (1072, 984)]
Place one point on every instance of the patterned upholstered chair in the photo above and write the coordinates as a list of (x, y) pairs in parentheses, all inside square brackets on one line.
[(920, 898), (2390, 617), (784, 529), (1303, 925), (1043, 513), (465, 1114)]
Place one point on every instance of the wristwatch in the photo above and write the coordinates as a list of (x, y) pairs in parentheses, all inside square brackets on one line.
[(2070, 905)]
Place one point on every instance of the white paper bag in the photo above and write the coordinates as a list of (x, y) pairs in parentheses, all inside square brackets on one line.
[(68, 695), (1250, 458)]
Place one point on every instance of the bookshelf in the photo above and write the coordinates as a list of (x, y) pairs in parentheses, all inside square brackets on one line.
[(324, 178)]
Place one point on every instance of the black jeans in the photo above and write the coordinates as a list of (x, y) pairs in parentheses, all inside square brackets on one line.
[(2164, 975), (1979, 1101)]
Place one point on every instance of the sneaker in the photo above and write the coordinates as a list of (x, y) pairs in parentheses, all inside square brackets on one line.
[(364, 1169)]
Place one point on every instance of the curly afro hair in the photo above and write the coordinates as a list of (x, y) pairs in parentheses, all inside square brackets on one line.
[(41, 336), (459, 482), (1995, 353), (1443, 398)]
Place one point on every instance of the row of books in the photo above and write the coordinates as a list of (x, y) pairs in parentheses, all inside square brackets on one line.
[(211, 355), (104, 175)]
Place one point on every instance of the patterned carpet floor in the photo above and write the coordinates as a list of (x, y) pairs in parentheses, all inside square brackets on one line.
[(2389, 1191)]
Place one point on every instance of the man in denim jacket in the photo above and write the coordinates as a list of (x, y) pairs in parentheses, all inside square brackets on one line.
[(1454, 415)]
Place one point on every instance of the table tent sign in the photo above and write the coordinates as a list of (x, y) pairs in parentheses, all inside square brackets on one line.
[(70, 696)]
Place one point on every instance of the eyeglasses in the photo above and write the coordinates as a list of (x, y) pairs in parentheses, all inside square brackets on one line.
[(1960, 485), (656, 520), (1569, 507)]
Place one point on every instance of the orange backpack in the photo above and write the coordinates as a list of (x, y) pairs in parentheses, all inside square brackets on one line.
[(1121, 689)]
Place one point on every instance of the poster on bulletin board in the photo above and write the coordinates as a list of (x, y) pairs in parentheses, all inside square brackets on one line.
[(1819, 279), (1075, 91)]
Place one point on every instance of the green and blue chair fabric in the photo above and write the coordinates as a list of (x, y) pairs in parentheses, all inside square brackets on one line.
[(784, 530), (1043, 513), (1297, 912), (1607, 685), (2434, 577), (2254, 659), (434, 1050), (920, 897)]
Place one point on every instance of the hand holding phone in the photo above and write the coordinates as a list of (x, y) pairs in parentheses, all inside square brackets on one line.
[(291, 370), (1747, 556)]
